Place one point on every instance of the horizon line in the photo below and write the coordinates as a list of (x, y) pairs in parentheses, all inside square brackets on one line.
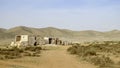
[(60, 28)]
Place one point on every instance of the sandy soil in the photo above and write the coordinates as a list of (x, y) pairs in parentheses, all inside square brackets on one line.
[(53, 58)]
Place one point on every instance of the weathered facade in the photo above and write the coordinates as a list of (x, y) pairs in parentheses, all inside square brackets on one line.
[(34, 40), (27, 40), (52, 40)]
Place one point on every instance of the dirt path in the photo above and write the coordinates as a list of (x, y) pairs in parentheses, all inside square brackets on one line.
[(59, 58), (56, 57)]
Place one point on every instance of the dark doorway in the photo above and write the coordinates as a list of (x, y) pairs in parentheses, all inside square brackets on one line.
[(35, 44), (18, 38), (50, 40)]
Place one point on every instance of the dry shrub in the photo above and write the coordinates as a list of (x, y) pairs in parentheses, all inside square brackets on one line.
[(12, 53), (33, 48), (81, 51), (94, 53), (72, 50), (101, 61)]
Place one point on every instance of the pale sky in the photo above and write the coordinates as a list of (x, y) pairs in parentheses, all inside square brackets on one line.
[(101, 15)]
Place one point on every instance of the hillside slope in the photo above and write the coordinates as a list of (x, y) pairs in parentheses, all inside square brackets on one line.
[(75, 36)]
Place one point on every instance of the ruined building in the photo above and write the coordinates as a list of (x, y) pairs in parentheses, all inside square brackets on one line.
[(34, 40)]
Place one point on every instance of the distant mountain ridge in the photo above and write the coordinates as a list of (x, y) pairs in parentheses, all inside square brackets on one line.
[(87, 35)]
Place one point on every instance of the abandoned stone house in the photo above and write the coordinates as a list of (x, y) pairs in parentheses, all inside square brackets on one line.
[(26, 40), (34, 40), (52, 40)]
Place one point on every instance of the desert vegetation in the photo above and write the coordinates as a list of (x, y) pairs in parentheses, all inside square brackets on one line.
[(14, 52), (103, 54)]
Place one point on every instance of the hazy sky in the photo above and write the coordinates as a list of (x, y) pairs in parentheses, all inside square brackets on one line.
[(102, 15)]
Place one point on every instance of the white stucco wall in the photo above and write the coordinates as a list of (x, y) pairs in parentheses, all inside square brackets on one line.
[(46, 38), (24, 37)]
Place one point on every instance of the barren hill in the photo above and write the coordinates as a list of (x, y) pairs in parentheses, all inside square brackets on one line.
[(74, 36)]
